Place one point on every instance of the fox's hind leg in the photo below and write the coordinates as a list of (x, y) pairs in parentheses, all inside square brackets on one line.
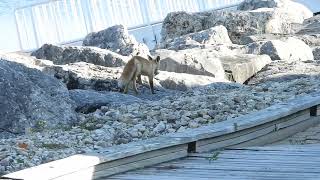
[(135, 87), (135, 83), (126, 87)]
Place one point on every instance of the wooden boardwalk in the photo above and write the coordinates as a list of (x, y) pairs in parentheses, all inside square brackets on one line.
[(267, 163)]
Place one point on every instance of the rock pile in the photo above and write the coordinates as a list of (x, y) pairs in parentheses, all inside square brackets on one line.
[(61, 55), (252, 17), (214, 35), (116, 39), (31, 100)]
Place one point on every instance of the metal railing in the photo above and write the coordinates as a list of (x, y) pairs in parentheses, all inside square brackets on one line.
[(65, 21)]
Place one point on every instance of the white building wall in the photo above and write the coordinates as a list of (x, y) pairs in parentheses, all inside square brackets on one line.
[(67, 21)]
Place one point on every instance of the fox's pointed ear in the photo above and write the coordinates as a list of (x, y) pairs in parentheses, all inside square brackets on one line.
[(150, 58), (158, 59)]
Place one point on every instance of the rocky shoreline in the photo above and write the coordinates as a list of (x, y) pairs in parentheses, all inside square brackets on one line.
[(69, 104)]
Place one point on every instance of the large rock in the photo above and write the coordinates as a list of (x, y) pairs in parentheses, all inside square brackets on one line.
[(308, 32), (227, 65), (71, 54), (78, 75), (116, 39), (86, 76), (311, 31), (27, 60), (283, 72), (243, 23), (259, 37), (278, 19), (180, 23), (31, 100), (238, 23), (88, 101), (214, 35), (240, 68), (311, 40), (183, 81), (310, 26), (312, 20), (191, 61), (256, 4), (316, 53), (226, 49), (289, 49), (296, 11)]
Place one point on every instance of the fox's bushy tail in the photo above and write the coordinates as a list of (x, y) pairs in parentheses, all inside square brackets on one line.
[(127, 75)]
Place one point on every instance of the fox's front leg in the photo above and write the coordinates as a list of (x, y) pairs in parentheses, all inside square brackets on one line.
[(125, 91), (135, 87), (151, 84)]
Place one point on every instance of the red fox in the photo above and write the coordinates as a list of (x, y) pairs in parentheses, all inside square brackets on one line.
[(136, 67)]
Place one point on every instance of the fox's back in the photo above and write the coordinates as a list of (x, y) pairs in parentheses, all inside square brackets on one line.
[(145, 65)]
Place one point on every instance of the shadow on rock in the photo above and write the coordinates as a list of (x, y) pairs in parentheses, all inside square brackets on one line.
[(88, 101)]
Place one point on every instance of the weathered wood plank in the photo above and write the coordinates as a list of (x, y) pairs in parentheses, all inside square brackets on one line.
[(56, 168), (281, 147), (169, 177), (308, 149), (142, 160), (264, 157), (204, 146), (212, 130), (280, 134), (279, 111), (233, 155), (251, 163), (257, 159), (233, 135), (103, 173), (293, 119), (213, 175), (195, 174), (199, 172), (262, 168), (141, 164), (251, 133), (248, 163), (139, 147), (144, 156)]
